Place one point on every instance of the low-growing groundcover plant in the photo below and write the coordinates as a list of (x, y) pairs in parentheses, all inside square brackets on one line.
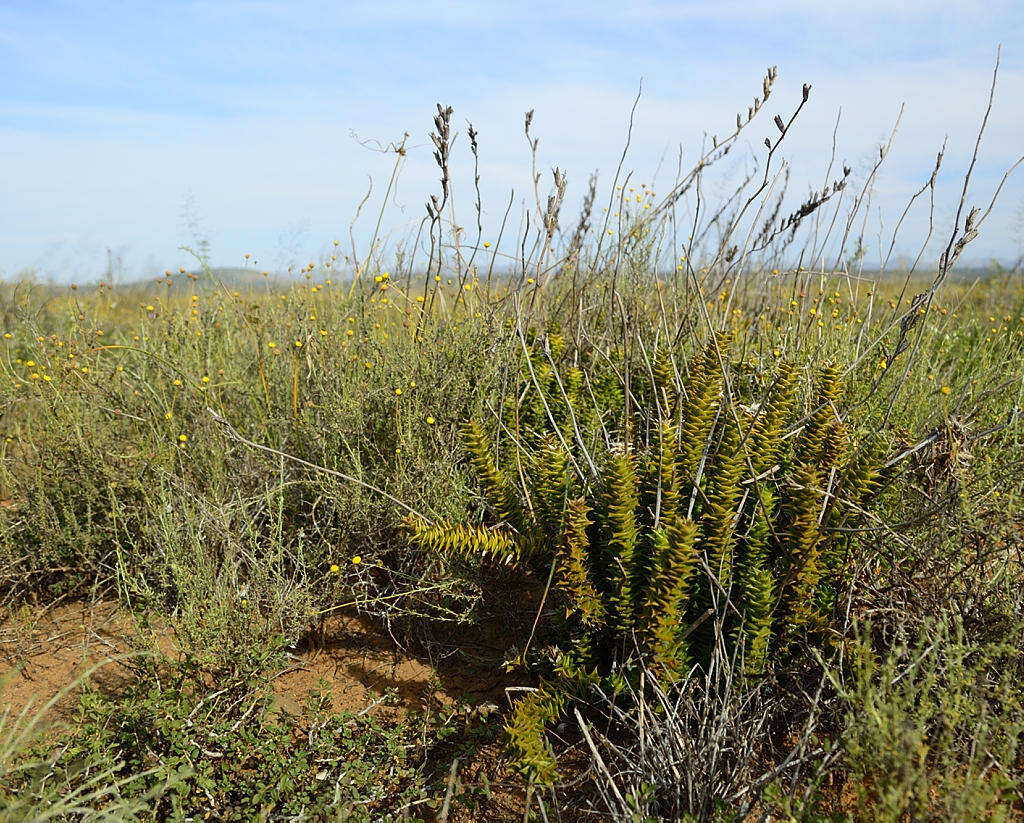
[(170, 749)]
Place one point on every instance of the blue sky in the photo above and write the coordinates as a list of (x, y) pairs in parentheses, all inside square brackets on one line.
[(132, 126)]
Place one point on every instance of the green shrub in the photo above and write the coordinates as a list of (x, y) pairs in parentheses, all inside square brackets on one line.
[(720, 524)]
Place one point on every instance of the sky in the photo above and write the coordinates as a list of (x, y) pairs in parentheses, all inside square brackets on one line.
[(258, 125)]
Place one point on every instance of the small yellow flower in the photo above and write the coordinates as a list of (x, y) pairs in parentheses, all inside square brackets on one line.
[(298, 344), (357, 560), (334, 568), (945, 390), (167, 416), (177, 382), (398, 391), (487, 244), (272, 345), (430, 420), (182, 438), (206, 379)]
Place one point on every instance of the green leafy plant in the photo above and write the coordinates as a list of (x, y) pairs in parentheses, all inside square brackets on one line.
[(721, 522), (168, 742)]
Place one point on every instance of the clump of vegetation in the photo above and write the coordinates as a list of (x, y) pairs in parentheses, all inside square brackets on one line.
[(721, 519), (230, 755)]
